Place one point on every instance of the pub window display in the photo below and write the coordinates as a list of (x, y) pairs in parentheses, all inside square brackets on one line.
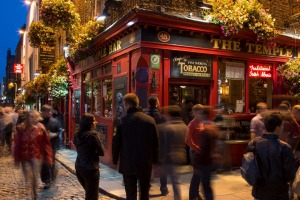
[(231, 86)]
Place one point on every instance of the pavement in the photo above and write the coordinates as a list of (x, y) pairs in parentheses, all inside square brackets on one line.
[(227, 185)]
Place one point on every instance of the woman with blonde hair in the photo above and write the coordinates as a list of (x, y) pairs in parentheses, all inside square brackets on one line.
[(32, 145)]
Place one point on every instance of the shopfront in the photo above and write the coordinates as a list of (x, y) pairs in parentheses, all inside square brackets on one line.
[(177, 60)]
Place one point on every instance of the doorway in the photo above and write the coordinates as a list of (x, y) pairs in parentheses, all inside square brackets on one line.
[(179, 93)]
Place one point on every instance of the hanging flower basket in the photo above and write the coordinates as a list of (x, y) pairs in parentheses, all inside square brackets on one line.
[(30, 95), (59, 87), (59, 13), (243, 14), (39, 34), (59, 68), (42, 84), (291, 73)]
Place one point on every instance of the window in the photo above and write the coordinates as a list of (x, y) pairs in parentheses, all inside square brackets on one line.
[(231, 86), (107, 97)]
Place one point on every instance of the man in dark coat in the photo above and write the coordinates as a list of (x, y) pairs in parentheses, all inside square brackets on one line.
[(172, 151), (154, 111), (136, 145), (53, 127), (275, 160)]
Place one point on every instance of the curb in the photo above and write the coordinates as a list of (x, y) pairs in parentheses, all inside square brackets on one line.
[(101, 190)]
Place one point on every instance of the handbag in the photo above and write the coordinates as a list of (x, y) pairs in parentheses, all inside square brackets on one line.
[(250, 168)]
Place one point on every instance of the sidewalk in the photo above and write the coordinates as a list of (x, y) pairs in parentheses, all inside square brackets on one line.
[(226, 186)]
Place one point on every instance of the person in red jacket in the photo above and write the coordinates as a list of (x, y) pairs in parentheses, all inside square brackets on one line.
[(32, 145)]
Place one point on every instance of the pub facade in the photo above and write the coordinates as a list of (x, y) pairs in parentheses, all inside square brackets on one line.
[(177, 59)]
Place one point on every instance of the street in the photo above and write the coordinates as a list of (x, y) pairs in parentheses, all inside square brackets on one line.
[(66, 185)]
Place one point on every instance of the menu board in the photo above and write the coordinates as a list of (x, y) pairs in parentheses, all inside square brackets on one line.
[(235, 70)]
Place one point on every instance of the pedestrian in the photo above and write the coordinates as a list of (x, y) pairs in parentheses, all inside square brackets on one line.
[(154, 111), (5, 130), (89, 148), (201, 137), (172, 151), (136, 145), (31, 147), (275, 161), (53, 126), (257, 127)]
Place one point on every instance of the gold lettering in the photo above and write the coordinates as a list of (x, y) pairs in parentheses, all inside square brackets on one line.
[(236, 46), (289, 52), (275, 51), (110, 49), (119, 44), (258, 48), (226, 44), (215, 43), (250, 47), (267, 50), (281, 52)]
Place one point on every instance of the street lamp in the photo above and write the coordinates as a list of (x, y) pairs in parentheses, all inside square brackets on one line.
[(11, 85)]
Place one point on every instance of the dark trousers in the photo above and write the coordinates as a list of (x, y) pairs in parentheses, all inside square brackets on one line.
[(48, 172), (89, 180), (130, 182), (201, 174)]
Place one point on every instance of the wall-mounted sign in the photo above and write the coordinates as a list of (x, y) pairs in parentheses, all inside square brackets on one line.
[(260, 70), (47, 56), (18, 68), (191, 68), (163, 36), (155, 61)]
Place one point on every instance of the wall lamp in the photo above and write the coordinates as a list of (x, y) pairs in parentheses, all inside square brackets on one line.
[(22, 30), (113, 4), (153, 81), (203, 5), (28, 2), (37, 73), (132, 79)]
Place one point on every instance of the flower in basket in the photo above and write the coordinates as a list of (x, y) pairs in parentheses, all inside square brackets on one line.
[(59, 87), (291, 73), (42, 84), (234, 15), (59, 13), (30, 95), (39, 34), (59, 68)]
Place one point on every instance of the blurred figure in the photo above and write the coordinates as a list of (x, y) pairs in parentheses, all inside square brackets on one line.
[(187, 113), (154, 111), (60, 117), (32, 145), (172, 152), (89, 148), (275, 159), (257, 126), (136, 144), (287, 103), (53, 128), (6, 128), (201, 137)]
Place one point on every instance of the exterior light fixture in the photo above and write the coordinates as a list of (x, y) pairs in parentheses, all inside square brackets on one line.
[(66, 47), (203, 5), (153, 83), (101, 17), (37, 73), (28, 2)]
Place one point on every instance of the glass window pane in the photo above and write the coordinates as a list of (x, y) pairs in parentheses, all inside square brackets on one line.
[(96, 98), (231, 86), (107, 97), (88, 98)]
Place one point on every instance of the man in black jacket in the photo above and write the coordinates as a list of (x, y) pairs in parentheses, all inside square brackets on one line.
[(275, 160), (136, 145)]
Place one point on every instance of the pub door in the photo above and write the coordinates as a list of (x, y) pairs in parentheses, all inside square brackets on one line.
[(199, 94)]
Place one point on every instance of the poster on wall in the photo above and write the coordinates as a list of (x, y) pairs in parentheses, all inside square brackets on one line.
[(155, 61), (196, 68)]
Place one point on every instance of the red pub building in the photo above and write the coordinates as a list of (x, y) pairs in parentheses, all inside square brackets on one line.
[(176, 58)]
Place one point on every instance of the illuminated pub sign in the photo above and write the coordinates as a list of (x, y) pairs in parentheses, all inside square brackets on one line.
[(197, 68), (257, 70), (18, 68)]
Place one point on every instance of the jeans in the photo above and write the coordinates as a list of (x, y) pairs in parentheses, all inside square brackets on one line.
[(201, 173), (31, 171), (130, 182), (171, 170), (89, 180)]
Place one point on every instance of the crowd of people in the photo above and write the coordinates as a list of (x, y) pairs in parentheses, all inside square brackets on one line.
[(156, 141)]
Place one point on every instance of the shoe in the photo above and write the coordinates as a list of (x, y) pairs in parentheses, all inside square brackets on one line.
[(164, 192), (47, 186)]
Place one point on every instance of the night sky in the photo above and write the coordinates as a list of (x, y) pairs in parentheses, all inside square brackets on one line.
[(13, 16)]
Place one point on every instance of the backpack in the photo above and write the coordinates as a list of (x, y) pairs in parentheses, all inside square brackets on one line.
[(250, 168)]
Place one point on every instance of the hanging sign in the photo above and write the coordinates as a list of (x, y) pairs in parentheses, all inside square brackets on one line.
[(260, 70), (18, 68)]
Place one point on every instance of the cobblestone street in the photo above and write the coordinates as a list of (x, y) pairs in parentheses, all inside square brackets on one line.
[(65, 187)]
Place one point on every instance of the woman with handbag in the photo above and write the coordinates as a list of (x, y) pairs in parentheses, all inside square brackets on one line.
[(89, 148)]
